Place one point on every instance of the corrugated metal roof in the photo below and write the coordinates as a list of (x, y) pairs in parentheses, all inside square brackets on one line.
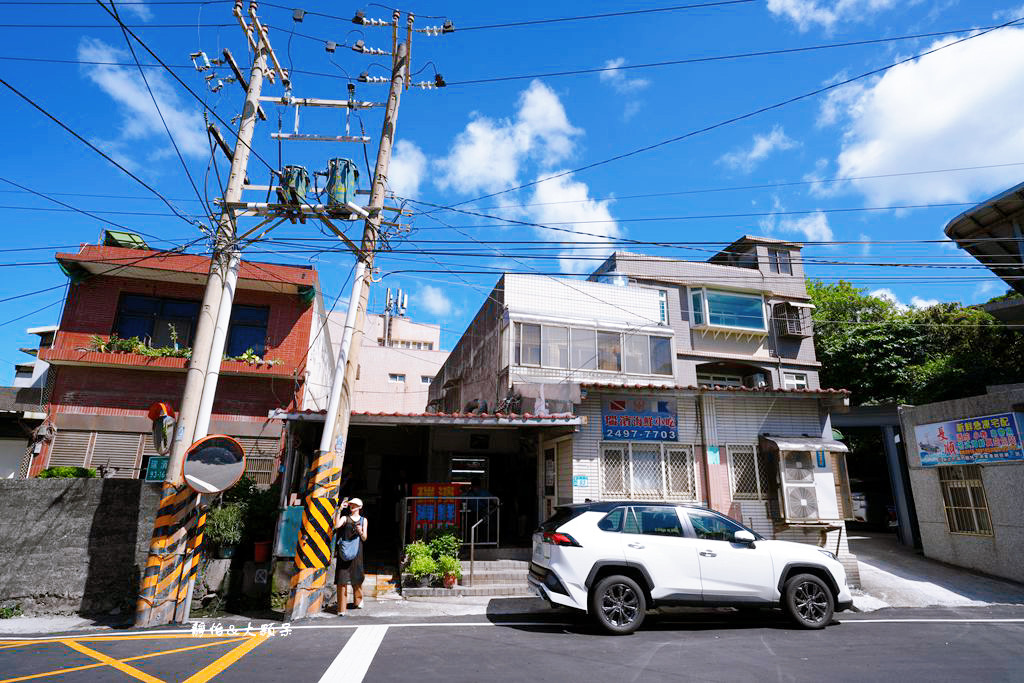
[(749, 390)]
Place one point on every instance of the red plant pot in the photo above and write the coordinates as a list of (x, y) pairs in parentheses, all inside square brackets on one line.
[(449, 581)]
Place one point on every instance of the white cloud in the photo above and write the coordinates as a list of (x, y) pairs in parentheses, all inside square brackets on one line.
[(583, 214), (434, 300), (918, 302), (957, 107), (838, 100), (1009, 14), (140, 120), (138, 8), (487, 155), (985, 289), (408, 164), (865, 249), (746, 159), (814, 227), (886, 294), (618, 80), (806, 13)]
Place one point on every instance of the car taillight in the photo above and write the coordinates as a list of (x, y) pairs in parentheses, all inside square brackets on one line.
[(556, 538)]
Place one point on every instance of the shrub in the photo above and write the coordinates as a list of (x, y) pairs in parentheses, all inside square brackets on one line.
[(224, 524), (65, 472), (421, 566), (445, 546), (10, 611), (449, 566), (417, 550)]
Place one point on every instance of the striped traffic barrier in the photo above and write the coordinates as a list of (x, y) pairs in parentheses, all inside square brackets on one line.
[(160, 580), (313, 549)]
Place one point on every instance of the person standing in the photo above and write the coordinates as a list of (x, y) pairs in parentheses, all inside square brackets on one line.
[(350, 531)]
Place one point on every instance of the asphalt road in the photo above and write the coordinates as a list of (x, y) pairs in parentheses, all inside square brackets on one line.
[(978, 644)]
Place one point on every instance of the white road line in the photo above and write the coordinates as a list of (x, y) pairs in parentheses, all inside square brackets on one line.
[(352, 663), (933, 620)]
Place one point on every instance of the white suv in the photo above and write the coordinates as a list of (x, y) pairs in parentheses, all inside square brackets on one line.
[(616, 559)]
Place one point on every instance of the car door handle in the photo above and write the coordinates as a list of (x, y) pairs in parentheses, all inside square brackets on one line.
[(708, 553), (638, 546)]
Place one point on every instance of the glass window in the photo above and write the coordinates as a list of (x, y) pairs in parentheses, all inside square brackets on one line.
[(151, 320), (172, 332), (779, 261), (658, 521), (730, 309), (426, 379), (584, 349), (663, 306), (612, 521), (609, 351), (963, 498), (705, 380), (795, 380), (555, 349), (697, 306), (712, 527), (661, 356), (396, 377), (631, 525), (248, 330), (637, 354), (527, 344)]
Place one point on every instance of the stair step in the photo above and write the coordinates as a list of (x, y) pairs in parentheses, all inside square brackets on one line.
[(495, 565), (499, 576), (487, 589)]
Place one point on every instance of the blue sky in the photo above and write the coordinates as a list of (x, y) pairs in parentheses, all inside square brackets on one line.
[(959, 107)]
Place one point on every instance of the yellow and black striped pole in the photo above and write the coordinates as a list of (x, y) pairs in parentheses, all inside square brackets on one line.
[(313, 550), (159, 590)]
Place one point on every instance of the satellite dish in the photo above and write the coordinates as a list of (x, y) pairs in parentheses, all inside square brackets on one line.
[(213, 464)]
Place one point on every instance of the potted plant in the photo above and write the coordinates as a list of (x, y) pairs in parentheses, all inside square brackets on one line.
[(224, 528), (450, 570), (419, 564)]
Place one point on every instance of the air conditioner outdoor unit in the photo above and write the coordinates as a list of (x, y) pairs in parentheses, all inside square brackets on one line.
[(801, 490), (756, 381)]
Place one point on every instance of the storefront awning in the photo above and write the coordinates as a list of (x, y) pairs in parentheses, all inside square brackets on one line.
[(803, 443), (452, 419)]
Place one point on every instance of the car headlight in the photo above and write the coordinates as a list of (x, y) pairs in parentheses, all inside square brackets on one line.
[(829, 553)]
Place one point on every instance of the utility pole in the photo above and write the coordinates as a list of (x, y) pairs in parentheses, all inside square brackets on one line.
[(306, 596), (166, 588)]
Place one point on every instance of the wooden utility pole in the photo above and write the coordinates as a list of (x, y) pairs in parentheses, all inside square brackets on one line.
[(313, 552), (165, 591)]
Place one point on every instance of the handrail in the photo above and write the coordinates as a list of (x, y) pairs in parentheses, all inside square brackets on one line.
[(472, 542)]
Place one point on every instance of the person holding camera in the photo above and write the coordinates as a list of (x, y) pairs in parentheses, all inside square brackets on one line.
[(350, 532)]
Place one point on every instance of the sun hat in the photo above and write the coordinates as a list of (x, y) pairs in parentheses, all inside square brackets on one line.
[(355, 502)]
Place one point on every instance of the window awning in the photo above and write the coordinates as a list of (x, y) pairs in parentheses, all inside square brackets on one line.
[(803, 443), (799, 304)]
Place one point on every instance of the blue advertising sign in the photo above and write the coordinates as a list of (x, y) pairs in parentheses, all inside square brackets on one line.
[(992, 438), (639, 419)]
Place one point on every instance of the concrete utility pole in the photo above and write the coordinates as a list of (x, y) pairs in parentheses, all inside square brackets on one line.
[(166, 588), (313, 553)]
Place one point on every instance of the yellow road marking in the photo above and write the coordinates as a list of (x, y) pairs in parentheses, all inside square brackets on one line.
[(117, 664), (149, 655), (225, 660)]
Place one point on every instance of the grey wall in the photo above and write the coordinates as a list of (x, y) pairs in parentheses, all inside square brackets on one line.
[(74, 545), (999, 554)]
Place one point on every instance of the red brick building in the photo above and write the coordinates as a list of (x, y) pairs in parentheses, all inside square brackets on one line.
[(99, 399)]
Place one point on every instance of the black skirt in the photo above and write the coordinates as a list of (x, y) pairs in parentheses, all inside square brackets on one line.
[(349, 571)]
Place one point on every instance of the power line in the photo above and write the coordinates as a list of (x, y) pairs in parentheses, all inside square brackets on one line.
[(736, 119), (97, 150), (621, 13), (721, 58)]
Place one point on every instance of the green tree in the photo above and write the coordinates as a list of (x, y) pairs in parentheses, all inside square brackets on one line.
[(884, 353)]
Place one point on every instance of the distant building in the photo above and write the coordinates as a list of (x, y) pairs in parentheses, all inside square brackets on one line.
[(96, 411), (397, 362)]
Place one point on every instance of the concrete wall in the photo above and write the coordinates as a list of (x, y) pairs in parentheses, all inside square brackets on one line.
[(1000, 553), (74, 545)]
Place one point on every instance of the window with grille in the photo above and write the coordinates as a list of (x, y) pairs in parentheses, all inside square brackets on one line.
[(648, 471), (963, 497), (748, 472), (792, 321)]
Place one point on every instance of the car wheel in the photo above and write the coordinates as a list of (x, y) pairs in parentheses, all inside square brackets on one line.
[(808, 601), (618, 604)]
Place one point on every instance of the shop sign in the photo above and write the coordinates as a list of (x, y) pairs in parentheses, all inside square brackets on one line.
[(639, 419), (974, 440)]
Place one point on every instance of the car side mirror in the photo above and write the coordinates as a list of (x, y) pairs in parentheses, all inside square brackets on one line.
[(743, 536)]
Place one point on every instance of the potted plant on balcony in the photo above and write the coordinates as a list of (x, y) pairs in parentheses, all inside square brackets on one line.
[(450, 570)]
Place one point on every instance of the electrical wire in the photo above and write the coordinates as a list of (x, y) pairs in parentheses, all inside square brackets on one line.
[(741, 117), (621, 13), (96, 149)]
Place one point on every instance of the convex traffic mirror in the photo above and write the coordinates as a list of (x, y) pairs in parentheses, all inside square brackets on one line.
[(213, 464)]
